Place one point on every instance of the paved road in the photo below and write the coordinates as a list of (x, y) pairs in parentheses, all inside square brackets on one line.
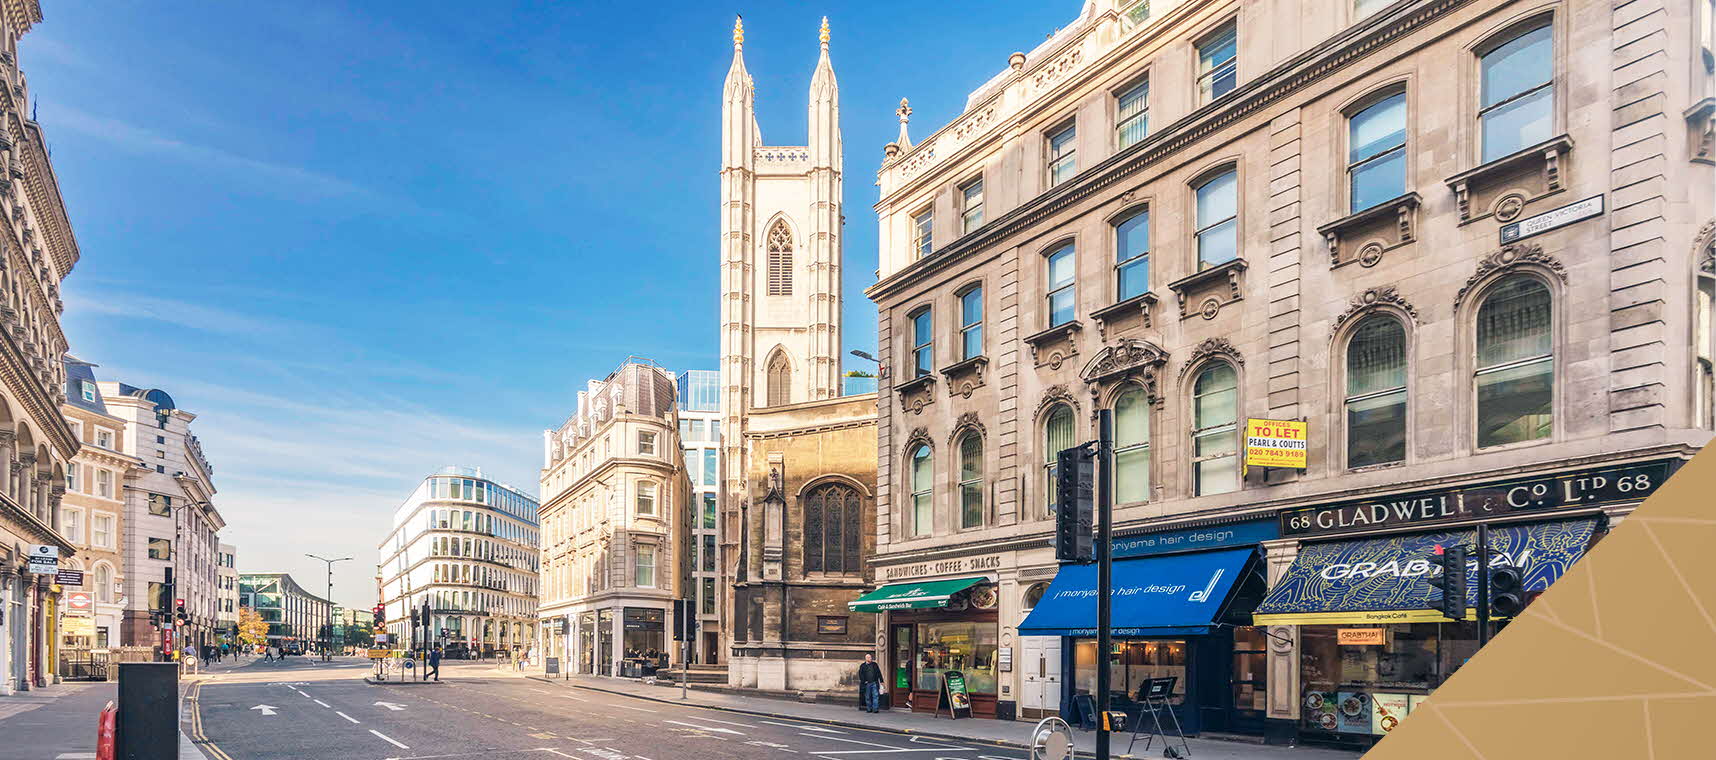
[(304, 709)]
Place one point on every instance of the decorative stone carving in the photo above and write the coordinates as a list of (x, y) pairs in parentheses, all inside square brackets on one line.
[(1701, 131), (1510, 257), (966, 421), (1055, 346), (1365, 236), (1129, 359), (1704, 249), (1369, 301), (965, 377), (1221, 282), (1120, 316), (918, 435), (1211, 347), (1530, 174), (1055, 394)]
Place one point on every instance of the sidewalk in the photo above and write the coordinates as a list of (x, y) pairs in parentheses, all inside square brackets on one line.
[(993, 732), (59, 723)]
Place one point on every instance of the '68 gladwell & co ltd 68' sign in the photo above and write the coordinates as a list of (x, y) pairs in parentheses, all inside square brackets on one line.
[(1580, 488)]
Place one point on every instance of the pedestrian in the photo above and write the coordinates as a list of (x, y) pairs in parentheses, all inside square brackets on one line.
[(870, 684), (434, 664)]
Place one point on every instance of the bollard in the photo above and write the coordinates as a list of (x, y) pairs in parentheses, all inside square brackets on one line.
[(106, 728), (148, 721)]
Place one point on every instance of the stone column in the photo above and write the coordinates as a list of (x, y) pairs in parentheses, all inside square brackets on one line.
[(1283, 659), (39, 499), (21, 469), (8, 590), (8, 450)]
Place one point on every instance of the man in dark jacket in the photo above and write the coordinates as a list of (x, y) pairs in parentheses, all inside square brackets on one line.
[(870, 684), (434, 664)]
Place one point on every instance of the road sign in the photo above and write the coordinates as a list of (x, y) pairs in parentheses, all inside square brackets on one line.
[(380, 654), (79, 603), (1576, 211), (44, 559)]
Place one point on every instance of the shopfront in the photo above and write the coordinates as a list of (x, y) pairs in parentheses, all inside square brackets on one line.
[(1370, 647), (938, 627)]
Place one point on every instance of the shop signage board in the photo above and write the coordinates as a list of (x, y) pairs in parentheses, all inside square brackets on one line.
[(1580, 488), (1197, 539), (74, 625), (954, 695), (943, 567), (68, 577), (1361, 637), (1576, 211), (44, 559), (1275, 443), (551, 666)]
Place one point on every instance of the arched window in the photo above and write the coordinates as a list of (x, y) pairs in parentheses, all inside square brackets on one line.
[(832, 518), (1376, 392), (1516, 107), (1515, 364), (1057, 435), (1034, 595), (780, 259), (923, 489), (1215, 434), (779, 380), (103, 583), (1131, 447), (971, 480)]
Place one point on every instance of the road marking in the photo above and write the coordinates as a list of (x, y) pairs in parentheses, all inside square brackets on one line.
[(728, 722), (347, 717), (706, 728), (579, 699), (629, 707), (772, 745), (266, 709), (394, 706), (75, 756), (388, 739), (324, 704), (803, 726)]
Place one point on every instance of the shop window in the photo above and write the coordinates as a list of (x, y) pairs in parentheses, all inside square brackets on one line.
[(1131, 664), (1215, 443), (1132, 255), (965, 647), (971, 323), (1517, 93), (1376, 392), (833, 515), (1131, 447), (1376, 152), (1062, 293), (971, 481), (923, 489), (1057, 436), (1515, 363)]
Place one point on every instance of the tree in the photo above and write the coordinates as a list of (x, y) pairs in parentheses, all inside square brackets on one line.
[(859, 373), (252, 629)]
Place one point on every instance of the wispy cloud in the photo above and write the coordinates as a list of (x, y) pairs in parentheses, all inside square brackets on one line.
[(170, 311), (133, 137)]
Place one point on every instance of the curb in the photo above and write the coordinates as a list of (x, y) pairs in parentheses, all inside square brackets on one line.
[(821, 721), (373, 682)]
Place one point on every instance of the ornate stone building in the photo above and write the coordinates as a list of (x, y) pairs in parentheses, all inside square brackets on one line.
[(798, 459), (92, 517), (1464, 244)]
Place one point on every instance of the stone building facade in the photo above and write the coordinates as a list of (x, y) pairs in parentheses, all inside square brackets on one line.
[(92, 516), (1464, 243), (616, 525)]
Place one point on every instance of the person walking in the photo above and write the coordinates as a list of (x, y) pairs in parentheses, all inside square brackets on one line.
[(434, 664), (870, 684)]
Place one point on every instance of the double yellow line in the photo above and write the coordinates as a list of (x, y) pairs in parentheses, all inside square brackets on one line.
[(194, 696)]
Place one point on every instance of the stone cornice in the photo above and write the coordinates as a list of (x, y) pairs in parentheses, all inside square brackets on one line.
[(811, 429), (38, 407), (50, 207), (1302, 70), (24, 521)]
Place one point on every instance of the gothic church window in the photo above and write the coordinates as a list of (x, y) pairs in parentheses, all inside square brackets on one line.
[(779, 380), (780, 260), (832, 515)]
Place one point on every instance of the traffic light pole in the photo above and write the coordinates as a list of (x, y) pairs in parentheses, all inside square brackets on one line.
[(1104, 571), (1483, 584)]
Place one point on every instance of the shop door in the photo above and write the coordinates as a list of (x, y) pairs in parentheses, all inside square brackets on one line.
[(1042, 685), (901, 662)]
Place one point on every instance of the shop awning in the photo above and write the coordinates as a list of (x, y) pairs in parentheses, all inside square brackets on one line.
[(912, 596), (1169, 595), (1371, 581)]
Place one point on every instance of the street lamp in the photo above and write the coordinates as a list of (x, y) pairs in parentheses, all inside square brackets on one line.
[(330, 600), (865, 355)]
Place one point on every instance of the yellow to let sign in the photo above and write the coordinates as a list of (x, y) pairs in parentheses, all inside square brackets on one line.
[(1275, 443)]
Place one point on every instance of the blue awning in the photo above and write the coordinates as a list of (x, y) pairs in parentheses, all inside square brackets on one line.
[(1371, 581), (1170, 595)]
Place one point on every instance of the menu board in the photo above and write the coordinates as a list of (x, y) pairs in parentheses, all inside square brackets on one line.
[(1352, 709), (954, 694), (1387, 710)]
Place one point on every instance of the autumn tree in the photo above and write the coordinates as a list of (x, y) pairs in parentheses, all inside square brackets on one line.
[(252, 629)]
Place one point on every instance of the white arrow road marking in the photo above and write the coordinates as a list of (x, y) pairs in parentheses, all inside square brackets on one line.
[(803, 726), (394, 706), (706, 728), (388, 739), (347, 717), (773, 745), (266, 709)]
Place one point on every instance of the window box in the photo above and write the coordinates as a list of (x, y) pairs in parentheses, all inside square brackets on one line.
[(1210, 289), (1120, 315), (1504, 187), (966, 376), (1365, 236), (1054, 346)]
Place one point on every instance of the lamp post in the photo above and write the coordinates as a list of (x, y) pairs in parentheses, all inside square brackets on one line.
[(330, 600)]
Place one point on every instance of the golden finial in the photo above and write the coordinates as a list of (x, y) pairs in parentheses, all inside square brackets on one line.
[(823, 35), (738, 31)]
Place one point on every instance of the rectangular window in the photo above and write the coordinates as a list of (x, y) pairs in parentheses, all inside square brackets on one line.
[(89, 393), (1376, 152), (971, 323), (160, 548), (1132, 115), (71, 525), (72, 478), (1062, 282), (104, 439), (708, 553), (1063, 154), (1132, 256), (710, 467), (646, 442), (646, 498), (101, 532), (708, 596), (1218, 64), (971, 205), (1517, 93), (1218, 220), (646, 567), (697, 430), (709, 511), (922, 232), (104, 483), (923, 343)]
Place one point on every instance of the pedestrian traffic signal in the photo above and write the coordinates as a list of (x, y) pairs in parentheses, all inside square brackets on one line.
[(1451, 580), (180, 612), (1507, 592), (1075, 504), (380, 615)]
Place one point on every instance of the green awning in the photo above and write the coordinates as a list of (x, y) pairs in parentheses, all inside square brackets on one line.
[(912, 596)]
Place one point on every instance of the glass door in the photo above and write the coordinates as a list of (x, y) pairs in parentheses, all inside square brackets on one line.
[(900, 665), (1250, 687)]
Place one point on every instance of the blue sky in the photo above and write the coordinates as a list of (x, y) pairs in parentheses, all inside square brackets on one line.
[(365, 240)]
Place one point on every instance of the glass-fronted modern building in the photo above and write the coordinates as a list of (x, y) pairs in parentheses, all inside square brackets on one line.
[(294, 616), (467, 546), (700, 437)]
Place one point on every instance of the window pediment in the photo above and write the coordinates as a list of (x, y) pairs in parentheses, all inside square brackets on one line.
[(1126, 358)]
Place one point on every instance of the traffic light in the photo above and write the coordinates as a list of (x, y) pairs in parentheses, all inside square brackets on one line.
[(380, 615), (1451, 581), (1075, 504), (1507, 592), (179, 610), (680, 607)]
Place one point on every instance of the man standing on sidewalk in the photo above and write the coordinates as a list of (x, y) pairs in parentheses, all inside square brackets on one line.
[(870, 684)]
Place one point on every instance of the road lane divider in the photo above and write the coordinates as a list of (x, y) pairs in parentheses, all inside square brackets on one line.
[(389, 739), (347, 717)]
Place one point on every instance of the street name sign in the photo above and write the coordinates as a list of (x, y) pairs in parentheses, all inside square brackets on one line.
[(1576, 211)]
